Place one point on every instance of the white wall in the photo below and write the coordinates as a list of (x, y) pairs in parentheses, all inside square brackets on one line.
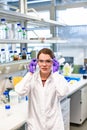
[(77, 53)]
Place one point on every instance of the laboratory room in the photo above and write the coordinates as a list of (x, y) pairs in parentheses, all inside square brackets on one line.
[(43, 65)]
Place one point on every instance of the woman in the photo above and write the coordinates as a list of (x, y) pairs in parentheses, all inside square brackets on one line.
[(44, 88)]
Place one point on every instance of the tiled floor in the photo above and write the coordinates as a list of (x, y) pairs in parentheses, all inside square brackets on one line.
[(79, 127)]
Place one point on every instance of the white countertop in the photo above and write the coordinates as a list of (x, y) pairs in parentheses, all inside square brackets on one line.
[(76, 86), (19, 114), (17, 117)]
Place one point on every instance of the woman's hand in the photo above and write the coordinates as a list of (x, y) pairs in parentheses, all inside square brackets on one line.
[(55, 65), (32, 65)]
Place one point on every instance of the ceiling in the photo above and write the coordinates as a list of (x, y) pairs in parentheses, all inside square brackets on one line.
[(36, 3), (42, 1)]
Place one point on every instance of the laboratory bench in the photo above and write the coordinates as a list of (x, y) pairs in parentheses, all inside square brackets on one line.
[(18, 113), (16, 118)]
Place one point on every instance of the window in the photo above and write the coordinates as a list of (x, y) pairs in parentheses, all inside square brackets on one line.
[(74, 16)]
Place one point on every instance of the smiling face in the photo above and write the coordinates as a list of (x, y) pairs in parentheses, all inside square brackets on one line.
[(45, 63)]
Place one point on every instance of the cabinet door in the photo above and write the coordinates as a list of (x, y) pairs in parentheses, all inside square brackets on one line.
[(78, 106), (84, 103), (75, 108), (65, 106)]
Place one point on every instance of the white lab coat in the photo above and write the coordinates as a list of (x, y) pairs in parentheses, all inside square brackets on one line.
[(44, 102)]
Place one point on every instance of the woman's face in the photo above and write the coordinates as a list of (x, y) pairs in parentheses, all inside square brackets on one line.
[(45, 63)]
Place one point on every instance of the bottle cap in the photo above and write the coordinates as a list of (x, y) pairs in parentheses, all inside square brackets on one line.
[(5, 92), (18, 24), (3, 19), (23, 48), (10, 51), (2, 49), (23, 28), (7, 107), (15, 51)]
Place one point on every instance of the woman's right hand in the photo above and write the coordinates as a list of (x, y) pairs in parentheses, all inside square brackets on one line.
[(32, 65)]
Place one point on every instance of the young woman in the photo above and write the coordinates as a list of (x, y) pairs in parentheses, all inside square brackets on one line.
[(44, 88)]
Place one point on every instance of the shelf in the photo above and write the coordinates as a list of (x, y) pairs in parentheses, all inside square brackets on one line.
[(12, 67), (15, 62), (12, 41), (12, 16), (5, 41), (48, 40)]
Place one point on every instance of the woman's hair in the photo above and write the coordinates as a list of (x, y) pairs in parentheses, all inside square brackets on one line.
[(46, 51)]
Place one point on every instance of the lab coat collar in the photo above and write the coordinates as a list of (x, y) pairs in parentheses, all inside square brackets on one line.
[(38, 77)]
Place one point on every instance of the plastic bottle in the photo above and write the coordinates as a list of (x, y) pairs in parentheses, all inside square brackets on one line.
[(21, 99), (11, 55), (24, 33), (67, 69), (15, 55), (28, 56), (4, 29), (23, 53), (18, 32), (6, 95), (7, 109), (7, 55), (20, 56), (13, 97), (3, 56)]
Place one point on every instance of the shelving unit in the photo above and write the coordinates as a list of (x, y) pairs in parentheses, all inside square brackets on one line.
[(13, 67), (12, 41), (12, 16)]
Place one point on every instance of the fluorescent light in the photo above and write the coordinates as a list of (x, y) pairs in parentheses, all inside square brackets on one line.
[(37, 1)]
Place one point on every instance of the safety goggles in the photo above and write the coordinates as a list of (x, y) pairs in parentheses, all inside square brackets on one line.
[(45, 61)]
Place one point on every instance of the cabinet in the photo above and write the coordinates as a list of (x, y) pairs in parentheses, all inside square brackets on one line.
[(78, 106), (65, 106)]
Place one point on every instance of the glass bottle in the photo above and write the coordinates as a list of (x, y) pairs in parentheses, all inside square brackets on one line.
[(13, 96), (23, 53), (20, 56), (28, 56), (6, 95), (7, 109), (3, 56), (4, 29), (24, 33), (15, 55), (11, 55), (18, 32)]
